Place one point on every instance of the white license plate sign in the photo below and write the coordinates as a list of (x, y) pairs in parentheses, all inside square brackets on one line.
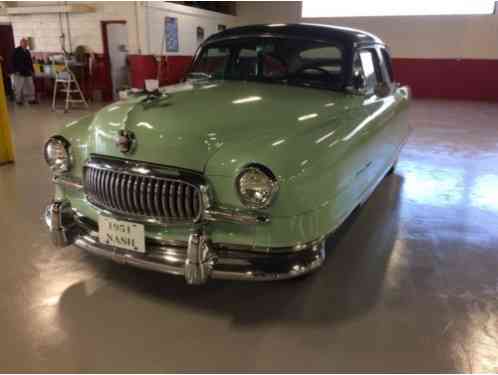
[(122, 234)]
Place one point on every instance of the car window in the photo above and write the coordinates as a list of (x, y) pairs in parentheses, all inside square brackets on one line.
[(325, 52), (388, 64), (366, 66), (324, 57), (275, 60), (213, 61), (367, 63), (245, 65)]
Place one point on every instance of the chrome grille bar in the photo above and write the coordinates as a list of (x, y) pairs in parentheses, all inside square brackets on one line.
[(123, 188)]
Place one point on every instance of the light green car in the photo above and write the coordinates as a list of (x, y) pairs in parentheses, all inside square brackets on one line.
[(278, 133)]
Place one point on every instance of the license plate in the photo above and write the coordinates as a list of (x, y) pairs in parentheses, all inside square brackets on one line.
[(122, 234)]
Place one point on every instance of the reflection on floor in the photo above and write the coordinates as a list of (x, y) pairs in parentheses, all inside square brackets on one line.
[(410, 283)]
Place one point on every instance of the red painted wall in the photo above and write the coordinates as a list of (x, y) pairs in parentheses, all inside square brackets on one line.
[(171, 69), (465, 79), (449, 78)]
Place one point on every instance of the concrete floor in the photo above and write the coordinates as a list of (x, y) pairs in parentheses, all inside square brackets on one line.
[(410, 282)]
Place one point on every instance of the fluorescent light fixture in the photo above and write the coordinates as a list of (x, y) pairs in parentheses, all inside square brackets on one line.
[(249, 99), (361, 8)]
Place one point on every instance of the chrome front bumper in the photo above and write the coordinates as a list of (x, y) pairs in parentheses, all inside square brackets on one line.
[(197, 260)]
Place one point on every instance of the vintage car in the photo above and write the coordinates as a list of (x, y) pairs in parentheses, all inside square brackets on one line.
[(241, 171)]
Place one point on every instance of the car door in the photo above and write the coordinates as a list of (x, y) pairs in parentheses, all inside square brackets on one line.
[(398, 129), (366, 134)]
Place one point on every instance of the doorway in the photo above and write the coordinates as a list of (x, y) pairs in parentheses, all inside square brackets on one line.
[(115, 38), (6, 50)]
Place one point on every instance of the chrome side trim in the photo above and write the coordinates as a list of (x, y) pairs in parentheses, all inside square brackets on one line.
[(68, 182), (235, 216)]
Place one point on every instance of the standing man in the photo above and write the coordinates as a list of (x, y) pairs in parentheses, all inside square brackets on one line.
[(22, 65)]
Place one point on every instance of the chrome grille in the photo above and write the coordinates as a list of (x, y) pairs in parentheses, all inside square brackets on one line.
[(143, 195)]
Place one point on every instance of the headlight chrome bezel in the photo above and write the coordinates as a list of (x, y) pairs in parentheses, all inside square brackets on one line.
[(64, 166), (273, 186)]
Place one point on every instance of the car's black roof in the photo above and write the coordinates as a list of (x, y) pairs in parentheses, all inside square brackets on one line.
[(327, 33)]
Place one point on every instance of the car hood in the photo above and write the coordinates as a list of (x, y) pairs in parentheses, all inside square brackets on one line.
[(196, 120)]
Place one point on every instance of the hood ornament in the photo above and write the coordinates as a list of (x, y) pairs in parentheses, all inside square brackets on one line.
[(126, 141)]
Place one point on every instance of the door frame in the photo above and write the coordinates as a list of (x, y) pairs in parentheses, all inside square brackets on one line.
[(6, 65), (107, 94)]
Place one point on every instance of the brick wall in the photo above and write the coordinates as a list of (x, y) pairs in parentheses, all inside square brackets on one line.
[(84, 27)]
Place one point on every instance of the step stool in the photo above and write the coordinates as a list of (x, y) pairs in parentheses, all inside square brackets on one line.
[(69, 85)]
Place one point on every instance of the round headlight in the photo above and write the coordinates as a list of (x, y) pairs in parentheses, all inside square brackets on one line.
[(57, 154), (256, 186)]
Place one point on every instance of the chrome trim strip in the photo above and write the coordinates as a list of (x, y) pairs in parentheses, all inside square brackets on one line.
[(70, 182), (135, 168), (235, 216)]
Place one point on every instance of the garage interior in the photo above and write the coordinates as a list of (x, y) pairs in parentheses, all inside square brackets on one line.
[(410, 283)]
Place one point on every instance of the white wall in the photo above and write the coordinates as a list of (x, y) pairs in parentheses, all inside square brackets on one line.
[(412, 37), (474, 37), (145, 21), (84, 27), (188, 20)]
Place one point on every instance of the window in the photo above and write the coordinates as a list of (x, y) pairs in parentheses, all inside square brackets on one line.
[(362, 8), (366, 70), (387, 63), (323, 52), (324, 57), (246, 63), (212, 61), (277, 60)]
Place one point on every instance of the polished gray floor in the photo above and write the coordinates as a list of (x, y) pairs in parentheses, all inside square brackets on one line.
[(410, 282)]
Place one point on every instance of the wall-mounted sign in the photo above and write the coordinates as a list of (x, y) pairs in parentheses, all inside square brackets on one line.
[(171, 34)]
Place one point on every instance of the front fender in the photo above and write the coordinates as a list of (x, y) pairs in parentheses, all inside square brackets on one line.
[(78, 134), (313, 167)]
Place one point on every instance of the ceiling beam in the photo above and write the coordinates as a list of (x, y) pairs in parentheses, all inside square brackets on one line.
[(47, 9)]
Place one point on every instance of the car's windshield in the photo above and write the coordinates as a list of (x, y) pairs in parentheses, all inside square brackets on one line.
[(275, 60)]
